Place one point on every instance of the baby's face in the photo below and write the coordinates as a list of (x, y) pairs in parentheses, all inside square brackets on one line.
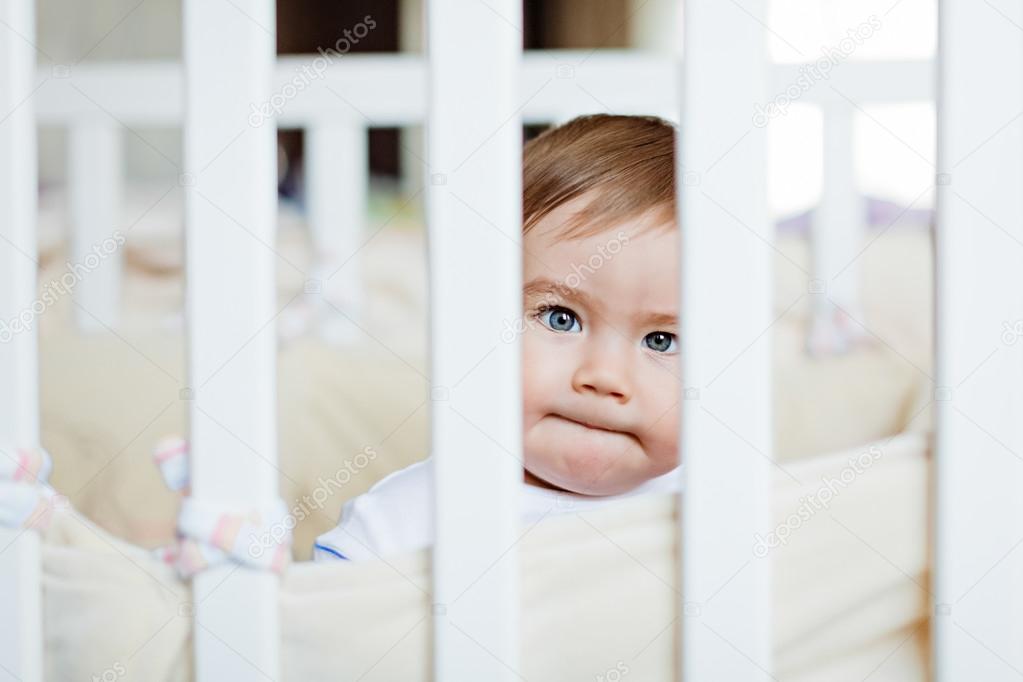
[(600, 355)]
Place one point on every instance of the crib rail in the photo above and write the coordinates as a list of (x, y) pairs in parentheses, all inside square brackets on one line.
[(21, 634), (725, 436), (474, 151), (230, 299), (391, 90), (348, 95), (977, 595)]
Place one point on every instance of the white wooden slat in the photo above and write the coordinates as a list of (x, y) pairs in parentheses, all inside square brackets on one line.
[(726, 443), (21, 634), (390, 90), (910, 80), (96, 188), (837, 235), (978, 513), (136, 93), (337, 181), (474, 146), (230, 213)]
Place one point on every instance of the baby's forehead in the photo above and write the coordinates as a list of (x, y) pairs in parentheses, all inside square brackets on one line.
[(568, 236), (609, 257), (557, 242), (584, 221), (562, 241), (609, 264)]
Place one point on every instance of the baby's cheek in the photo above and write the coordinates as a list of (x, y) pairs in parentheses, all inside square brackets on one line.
[(539, 373), (661, 443), (663, 404)]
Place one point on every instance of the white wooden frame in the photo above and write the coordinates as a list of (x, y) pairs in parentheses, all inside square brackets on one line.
[(977, 595), (96, 191), (230, 182), (474, 151), (337, 182), (230, 186), (391, 89), (725, 439), (21, 632), (836, 236)]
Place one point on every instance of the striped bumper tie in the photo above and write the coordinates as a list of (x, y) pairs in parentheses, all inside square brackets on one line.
[(26, 500), (213, 533)]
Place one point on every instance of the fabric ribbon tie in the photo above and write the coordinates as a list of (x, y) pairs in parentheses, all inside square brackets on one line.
[(171, 456), (26, 501), (212, 533)]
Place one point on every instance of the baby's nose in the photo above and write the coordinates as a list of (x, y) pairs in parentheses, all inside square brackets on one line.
[(603, 378)]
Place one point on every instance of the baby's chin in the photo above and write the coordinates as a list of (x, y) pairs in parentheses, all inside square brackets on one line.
[(586, 462)]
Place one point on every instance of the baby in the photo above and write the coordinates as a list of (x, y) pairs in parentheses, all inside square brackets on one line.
[(600, 362)]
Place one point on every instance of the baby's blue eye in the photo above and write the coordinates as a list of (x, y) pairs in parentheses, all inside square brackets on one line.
[(662, 342), (560, 319)]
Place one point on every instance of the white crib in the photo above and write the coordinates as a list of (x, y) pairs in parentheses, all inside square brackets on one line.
[(474, 89)]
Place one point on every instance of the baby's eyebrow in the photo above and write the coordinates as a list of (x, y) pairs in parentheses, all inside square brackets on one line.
[(542, 286), (661, 319)]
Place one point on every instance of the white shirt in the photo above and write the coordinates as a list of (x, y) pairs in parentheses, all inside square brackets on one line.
[(396, 515)]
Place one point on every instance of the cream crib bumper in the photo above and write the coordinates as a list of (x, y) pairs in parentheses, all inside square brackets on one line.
[(598, 590)]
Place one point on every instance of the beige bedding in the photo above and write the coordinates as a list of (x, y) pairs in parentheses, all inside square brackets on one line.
[(108, 397), (597, 592)]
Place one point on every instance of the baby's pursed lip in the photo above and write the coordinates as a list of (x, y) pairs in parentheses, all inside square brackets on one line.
[(587, 424)]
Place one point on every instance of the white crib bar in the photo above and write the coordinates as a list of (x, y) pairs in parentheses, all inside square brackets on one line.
[(96, 182), (726, 443), (474, 146), (978, 509), (337, 178), (21, 634), (837, 233), (230, 214)]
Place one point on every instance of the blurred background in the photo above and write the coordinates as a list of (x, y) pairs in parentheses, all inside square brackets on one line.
[(850, 184)]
